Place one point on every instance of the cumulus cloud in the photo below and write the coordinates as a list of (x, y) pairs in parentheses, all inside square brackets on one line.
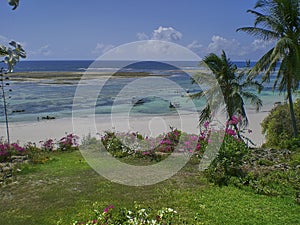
[(162, 34), (219, 43), (44, 50), (166, 34), (142, 36), (102, 48), (259, 44), (152, 48), (196, 47)]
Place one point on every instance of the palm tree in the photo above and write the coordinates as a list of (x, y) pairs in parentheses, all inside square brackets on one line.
[(229, 82), (279, 20)]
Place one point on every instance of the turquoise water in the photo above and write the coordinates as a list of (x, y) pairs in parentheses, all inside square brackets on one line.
[(36, 99)]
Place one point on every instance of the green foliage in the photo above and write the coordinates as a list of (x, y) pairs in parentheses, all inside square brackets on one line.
[(90, 141), (274, 183), (227, 83), (62, 184), (115, 146), (278, 20), (137, 216), (12, 54), (278, 127), (68, 143), (36, 155), (228, 162), (14, 3)]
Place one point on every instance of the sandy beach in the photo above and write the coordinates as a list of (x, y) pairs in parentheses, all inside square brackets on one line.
[(37, 131)]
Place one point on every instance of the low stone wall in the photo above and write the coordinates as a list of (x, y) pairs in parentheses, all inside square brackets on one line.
[(7, 168)]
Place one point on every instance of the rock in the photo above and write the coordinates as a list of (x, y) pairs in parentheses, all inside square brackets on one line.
[(6, 169), (19, 158)]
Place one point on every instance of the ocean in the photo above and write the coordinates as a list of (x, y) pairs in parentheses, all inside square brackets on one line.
[(33, 99)]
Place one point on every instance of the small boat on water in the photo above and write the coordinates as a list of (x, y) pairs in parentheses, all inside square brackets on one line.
[(174, 105), (137, 101)]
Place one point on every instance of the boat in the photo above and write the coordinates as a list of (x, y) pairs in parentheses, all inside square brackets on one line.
[(137, 101), (174, 105)]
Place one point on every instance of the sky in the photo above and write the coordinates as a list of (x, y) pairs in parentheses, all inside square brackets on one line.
[(85, 29)]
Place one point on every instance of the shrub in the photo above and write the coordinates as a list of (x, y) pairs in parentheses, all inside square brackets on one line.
[(114, 145), (48, 145), (169, 141), (6, 151), (228, 162), (110, 215), (274, 183), (36, 155), (68, 143), (278, 126)]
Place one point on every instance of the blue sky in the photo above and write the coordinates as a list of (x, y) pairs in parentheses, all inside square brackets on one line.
[(85, 29)]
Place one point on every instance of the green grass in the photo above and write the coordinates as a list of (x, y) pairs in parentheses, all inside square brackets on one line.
[(65, 188)]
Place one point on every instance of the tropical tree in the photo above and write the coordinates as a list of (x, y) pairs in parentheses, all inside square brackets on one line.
[(226, 81), (14, 3), (279, 20), (11, 56)]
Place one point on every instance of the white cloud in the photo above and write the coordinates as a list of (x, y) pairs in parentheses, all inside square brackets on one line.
[(142, 36), (43, 51), (196, 47), (220, 43), (166, 34), (232, 47), (161, 34), (150, 50), (259, 44), (102, 48)]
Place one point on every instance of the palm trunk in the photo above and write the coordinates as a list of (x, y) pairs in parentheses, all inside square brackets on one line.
[(292, 112)]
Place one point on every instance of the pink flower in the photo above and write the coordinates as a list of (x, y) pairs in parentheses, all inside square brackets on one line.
[(206, 124), (230, 132), (108, 208), (194, 138)]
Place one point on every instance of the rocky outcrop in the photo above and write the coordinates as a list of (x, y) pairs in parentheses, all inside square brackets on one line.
[(7, 168)]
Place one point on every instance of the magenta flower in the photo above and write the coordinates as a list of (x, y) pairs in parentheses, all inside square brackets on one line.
[(106, 210), (206, 125), (230, 132), (194, 138)]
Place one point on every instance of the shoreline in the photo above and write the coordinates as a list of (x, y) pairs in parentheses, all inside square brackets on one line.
[(24, 132)]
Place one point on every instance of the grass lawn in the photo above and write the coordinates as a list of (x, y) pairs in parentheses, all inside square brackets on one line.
[(65, 188)]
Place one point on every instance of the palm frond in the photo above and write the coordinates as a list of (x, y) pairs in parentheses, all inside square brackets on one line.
[(205, 115), (259, 32)]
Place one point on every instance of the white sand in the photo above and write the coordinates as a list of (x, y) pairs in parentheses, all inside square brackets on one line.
[(42, 130)]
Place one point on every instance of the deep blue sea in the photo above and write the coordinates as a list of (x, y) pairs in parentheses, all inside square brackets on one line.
[(33, 99)]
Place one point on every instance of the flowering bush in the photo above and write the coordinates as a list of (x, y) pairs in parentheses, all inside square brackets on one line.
[(68, 143), (137, 216), (114, 145), (230, 156), (6, 151), (48, 145), (169, 141)]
